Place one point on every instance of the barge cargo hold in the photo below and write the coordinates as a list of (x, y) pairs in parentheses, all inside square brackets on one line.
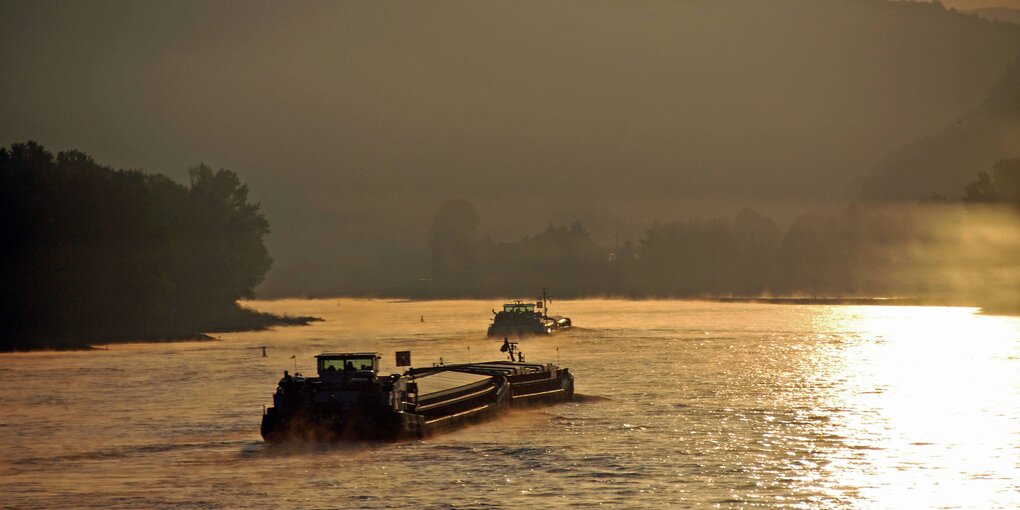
[(350, 401)]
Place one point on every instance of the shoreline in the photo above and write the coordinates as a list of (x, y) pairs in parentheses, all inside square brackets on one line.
[(986, 309), (829, 301), (898, 301), (248, 320)]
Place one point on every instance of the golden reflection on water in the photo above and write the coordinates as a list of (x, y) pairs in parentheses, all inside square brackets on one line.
[(927, 399), (707, 405)]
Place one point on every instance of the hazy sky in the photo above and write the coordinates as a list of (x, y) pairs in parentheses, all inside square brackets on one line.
[(353, 121)]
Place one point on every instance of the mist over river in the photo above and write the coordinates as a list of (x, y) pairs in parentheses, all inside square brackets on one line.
[(706, 405)]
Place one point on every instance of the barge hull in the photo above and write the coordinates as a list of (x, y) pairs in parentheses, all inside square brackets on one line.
[(417, 404)]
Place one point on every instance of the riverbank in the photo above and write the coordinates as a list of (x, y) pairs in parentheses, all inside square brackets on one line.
[(987, 307), (828, 301), (233, 320)]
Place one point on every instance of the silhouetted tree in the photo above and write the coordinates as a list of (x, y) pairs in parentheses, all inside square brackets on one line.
[(452, 236), (230, 228), (980, 190), (565, 258), (623, 271), (96, 254), (1003, 185), (689, 258), (756, 246), (805, 257)]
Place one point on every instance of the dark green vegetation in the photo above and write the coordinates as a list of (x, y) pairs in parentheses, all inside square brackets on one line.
[(92, 254)]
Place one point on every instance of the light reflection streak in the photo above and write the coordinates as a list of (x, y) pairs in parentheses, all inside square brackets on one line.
[(927, 401)]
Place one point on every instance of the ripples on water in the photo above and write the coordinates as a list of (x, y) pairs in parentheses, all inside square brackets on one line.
[(702, 404)]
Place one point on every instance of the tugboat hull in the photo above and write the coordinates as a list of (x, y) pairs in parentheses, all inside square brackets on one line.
[(521, 319), (545, 327), (500, 330)]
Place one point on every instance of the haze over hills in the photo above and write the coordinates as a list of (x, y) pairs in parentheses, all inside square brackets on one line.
[(352, 122), (945, 162)]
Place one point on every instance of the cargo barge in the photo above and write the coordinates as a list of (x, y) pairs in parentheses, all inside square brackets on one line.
[(349, 400), (520, 319)]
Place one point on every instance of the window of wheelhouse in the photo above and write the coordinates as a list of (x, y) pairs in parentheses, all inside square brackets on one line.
[(519, 308), (339, 364)]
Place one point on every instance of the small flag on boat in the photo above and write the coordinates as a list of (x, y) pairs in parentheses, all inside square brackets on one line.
[(404, 358)]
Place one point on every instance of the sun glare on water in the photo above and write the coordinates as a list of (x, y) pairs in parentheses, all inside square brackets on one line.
[(929, 399)]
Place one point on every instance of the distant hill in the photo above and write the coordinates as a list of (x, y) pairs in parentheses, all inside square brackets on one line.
[(945, 162)]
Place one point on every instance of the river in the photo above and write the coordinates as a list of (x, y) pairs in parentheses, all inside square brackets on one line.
[(705, 405)]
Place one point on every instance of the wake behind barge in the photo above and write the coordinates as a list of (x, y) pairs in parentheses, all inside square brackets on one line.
[(350, 401)]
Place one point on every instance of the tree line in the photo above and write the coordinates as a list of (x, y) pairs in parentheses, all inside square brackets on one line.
[(857, 251), (93, 254)]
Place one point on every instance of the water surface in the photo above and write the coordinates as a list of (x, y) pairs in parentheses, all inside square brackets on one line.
[(708, 405)]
